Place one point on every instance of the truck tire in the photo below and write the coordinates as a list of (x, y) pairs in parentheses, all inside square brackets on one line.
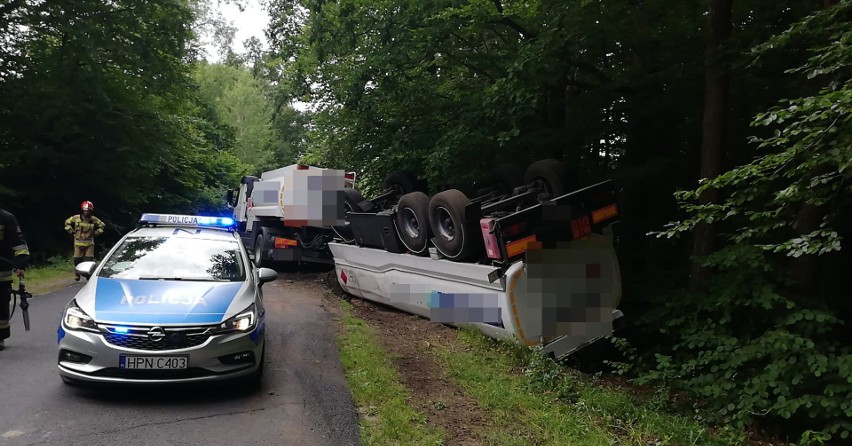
[(258, 249), (403, 181), (505, 178), (447, 220), (550, 174), (412, 222)]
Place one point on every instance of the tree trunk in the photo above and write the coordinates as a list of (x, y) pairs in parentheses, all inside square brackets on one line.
[(713, 129)]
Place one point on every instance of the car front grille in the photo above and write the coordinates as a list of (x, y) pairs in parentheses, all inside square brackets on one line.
[(173, 338)]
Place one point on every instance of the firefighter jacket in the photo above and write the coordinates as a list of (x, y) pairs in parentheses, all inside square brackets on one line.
[(14, 252), (84, 229)]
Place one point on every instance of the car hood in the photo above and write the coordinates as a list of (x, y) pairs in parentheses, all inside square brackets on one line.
[(167, 302)]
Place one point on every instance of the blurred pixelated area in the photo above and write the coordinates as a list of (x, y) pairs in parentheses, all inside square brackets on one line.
[(567, 291), (450, 308), (460, 308), (314, 197), (574, 286)]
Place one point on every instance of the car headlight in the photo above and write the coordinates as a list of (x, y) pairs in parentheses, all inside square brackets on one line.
[(77, 319), (242, 322)]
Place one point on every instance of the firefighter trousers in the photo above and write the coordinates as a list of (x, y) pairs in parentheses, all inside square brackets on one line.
[(84, 253)]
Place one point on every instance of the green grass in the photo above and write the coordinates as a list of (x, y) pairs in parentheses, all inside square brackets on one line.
[(525, 397), (534, 400), (386, 418), (49, 277)]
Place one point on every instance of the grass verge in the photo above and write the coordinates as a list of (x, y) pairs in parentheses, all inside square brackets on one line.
[(537, 401), (386, 418), (57, 274)]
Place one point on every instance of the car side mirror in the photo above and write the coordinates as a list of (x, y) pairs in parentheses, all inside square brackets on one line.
[(85, 269), (267, 275)]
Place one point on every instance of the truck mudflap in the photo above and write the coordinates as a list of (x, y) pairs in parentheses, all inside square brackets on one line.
[(562, 298)]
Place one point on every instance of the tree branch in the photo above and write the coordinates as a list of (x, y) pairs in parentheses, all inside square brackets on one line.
[(526, 34)]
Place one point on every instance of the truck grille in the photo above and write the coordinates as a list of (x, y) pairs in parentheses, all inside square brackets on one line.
[(173, 338)]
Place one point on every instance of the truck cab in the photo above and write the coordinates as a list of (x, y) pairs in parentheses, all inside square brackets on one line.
[(287, 214)]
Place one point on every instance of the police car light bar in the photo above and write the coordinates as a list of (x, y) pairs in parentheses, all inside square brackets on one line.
[(186, 220)]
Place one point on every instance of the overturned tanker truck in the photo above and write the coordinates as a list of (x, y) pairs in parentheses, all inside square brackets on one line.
[(528, 256)]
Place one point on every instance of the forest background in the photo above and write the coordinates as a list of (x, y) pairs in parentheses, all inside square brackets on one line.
[(726, 123)]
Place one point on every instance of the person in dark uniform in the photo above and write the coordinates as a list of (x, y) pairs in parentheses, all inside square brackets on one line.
[(14, 258)]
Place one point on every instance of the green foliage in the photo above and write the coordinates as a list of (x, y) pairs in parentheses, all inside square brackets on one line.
[(442, 88), (238, 101), (756, 345), (545, 375), (99, 104)]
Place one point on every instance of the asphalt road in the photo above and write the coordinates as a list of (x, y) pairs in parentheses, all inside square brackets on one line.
[(304, 399)]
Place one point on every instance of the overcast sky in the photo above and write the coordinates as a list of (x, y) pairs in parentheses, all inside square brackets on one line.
[(251, 22)]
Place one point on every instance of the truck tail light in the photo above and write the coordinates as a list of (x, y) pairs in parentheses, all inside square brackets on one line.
[(349, 180), (302, 167), (284, 243), (515, 229), (491, 246), (580, 227)]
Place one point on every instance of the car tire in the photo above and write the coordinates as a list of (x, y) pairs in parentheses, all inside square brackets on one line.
[(412, 222), (255, 380)]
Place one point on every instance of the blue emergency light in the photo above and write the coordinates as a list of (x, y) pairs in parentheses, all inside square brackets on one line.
[(186, 220)]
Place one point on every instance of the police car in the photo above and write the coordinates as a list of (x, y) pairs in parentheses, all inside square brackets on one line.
[(175, 300)]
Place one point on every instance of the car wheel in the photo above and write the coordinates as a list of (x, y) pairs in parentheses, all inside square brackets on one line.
[(256, 378)]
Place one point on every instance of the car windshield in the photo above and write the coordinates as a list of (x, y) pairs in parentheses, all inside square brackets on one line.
[(175, 258)]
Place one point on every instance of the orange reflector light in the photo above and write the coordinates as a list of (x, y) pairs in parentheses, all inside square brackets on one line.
[(285, 242), (604, 213), (520, 246)]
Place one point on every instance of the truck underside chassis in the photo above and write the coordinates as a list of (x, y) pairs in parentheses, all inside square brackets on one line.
[(525, 258), (514, 210), (274, 243)]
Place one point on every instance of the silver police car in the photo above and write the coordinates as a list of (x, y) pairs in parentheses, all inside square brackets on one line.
[(175, 300)]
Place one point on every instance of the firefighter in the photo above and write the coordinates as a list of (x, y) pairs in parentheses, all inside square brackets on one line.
[(14, 258), (84, 227)]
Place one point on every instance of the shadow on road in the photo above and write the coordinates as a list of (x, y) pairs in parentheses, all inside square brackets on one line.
[(135, 395)]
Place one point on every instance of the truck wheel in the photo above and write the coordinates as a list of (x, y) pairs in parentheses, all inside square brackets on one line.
[(505, 178), (447, 221), (402, 181), (550, 175), (412, 221), (259, 243)]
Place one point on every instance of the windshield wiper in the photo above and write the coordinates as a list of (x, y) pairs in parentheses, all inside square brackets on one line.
[(189, 279)]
